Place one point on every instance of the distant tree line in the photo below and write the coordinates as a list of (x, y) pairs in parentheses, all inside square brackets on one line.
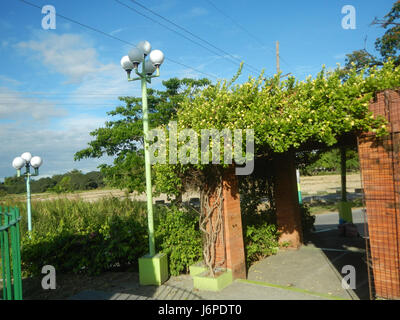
[(68, 182)]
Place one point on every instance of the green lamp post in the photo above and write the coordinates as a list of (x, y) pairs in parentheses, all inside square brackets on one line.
[(28, 161), (153, 268)]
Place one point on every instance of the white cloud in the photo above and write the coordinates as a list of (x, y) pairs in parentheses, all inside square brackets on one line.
[(112, 83), (58, 140), (67, 54), (14, 105), (73, 56), (8, 80)]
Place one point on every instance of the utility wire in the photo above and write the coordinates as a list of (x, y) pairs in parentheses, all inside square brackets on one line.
[(260, 42), (170, 29), (116, 38), (254, 69)]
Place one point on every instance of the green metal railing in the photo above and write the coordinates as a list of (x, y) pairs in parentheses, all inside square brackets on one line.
[(10, 261)]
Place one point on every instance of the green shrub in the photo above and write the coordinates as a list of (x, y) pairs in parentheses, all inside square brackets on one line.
[(178, 235), (117, 242), (261, 241), (81, 237)]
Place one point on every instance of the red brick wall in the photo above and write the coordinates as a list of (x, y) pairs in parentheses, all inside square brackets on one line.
[(287, 201), (380, 170)]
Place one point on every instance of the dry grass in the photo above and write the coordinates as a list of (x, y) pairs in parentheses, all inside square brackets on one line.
[(314, 185)]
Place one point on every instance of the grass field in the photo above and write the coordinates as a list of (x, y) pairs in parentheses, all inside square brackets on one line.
[(310, 185)]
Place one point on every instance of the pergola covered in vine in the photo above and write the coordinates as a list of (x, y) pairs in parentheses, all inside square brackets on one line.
[(286, 116)]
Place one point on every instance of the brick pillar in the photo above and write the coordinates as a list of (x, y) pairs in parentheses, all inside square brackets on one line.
[(233, 250), (380, 170), (235, 257), (287, 201)]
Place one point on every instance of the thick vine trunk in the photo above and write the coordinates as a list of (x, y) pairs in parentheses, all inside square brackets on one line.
[(212, 225)]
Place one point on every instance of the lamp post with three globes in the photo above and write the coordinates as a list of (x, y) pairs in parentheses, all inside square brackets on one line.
[(28, 161)]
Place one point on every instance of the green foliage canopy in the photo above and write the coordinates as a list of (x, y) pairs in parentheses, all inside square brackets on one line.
[(286, 114)]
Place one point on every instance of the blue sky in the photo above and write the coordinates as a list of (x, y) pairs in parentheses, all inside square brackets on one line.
[(57, 85)]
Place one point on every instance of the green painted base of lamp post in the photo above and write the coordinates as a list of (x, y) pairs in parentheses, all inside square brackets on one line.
[(153, 270), (345, 214)]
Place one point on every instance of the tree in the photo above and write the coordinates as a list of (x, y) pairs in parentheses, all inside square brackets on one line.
[(42, 185), (94, 180), (15, 184), (63, 186), (360, 59), (123, 137), (327, 161), (388, 45)]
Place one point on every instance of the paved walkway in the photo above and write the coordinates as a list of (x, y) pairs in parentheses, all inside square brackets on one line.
[(181, 288), (310, 273)]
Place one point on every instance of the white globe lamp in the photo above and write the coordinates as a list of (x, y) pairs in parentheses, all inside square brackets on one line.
[(145, 46), (36, 162), (26, 156), (136, 56), (18, 163), (149, 69), (126, 63), (156, 57)]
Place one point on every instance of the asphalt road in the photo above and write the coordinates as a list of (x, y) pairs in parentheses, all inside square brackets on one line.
[(327, 221)]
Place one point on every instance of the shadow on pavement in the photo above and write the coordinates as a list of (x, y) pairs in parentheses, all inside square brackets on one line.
[(163, 292), (340, 251)]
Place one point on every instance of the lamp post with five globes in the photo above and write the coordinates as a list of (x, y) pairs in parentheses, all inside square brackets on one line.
[(28, 161), (131, 62), (152, 268)]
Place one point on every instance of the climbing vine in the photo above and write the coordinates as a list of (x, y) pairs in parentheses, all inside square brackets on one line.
[(212, 225)]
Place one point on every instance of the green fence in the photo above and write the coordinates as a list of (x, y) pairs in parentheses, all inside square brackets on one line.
[(10, 261)]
